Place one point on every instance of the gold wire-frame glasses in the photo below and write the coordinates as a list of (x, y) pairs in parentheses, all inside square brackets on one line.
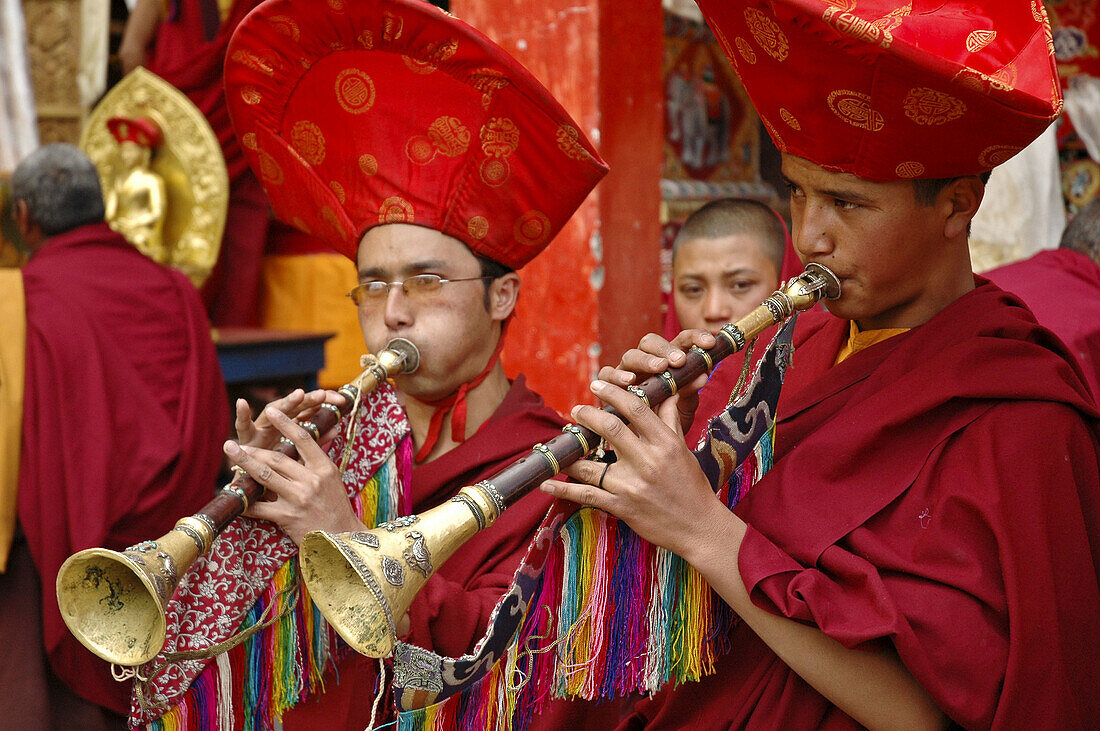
[(416, 286)]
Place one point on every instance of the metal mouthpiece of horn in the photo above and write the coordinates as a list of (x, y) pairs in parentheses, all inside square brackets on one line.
[(818, 277), (410, 352)]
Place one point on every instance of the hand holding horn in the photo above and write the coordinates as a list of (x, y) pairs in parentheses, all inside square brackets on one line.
[(363, 581), (114, 602)]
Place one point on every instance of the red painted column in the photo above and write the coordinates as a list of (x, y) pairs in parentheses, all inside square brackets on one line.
[(632, 140), (596, 289)]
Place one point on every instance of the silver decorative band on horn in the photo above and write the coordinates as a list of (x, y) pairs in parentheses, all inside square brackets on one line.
[(193, 535), (637, 391), (238, 493), (704, 355), (310, 427), (493, 494), (576, 431), (368, 579), (473, 506), (733, 335)]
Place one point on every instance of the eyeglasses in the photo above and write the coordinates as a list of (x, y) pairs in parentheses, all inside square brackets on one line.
[(417, 286)]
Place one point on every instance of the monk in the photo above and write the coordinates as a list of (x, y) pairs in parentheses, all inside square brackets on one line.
[(924, 551), (124, 414), (1062, 287), (726, 258), (456, 332), (439, 185)]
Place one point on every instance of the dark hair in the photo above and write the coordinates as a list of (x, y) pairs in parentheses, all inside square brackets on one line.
[(60, 186), (490, 268), (730, 216), (928, 189), (1083, 232)]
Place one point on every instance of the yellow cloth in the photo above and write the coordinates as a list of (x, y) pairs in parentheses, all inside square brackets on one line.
[(13, 345), (858, 340), (306, 292)]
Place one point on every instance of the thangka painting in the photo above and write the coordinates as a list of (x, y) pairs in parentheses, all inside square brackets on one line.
[(712, 133), (1080, 173), (1075, 26), (711, 129)]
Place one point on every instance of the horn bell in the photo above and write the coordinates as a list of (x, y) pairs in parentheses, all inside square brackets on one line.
[(114, 602), (365, 581)]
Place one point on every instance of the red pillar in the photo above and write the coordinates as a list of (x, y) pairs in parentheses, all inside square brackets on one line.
[(596, 289)]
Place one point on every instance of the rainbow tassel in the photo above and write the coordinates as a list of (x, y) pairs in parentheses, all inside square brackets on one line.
[(611, 615), (252, 685)]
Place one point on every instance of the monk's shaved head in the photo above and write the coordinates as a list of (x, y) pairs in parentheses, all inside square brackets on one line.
[(736, 216)]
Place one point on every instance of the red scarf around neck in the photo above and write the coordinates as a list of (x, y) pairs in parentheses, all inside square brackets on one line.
[(455, 404)]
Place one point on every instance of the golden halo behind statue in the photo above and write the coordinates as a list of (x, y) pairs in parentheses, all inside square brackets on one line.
[(189, 160)]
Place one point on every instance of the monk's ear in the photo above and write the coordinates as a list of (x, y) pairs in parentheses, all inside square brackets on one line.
[(503, 294), (961, 199), (22, 215)]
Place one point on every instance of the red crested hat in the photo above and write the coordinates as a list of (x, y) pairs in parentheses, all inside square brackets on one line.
[(357, 114), (142, 130), (894, 89)]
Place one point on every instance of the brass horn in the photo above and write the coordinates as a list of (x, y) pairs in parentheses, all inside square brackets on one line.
[(364, 581), (114, 602)]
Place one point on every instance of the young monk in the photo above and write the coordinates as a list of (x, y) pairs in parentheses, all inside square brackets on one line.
[(425, 153), (725, 260), (924, 550), (727, 257)]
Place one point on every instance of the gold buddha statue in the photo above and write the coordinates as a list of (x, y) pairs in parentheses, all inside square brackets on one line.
[(163, 173), (136, 200)]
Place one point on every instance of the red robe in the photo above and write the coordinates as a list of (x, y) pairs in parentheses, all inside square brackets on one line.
[(124, 415), (187, 59), (937, 491), (1062, 288), (452, 611), (184, 57)]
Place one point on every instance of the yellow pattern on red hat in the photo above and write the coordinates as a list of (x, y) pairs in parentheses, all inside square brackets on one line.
[(894, 89), (356, 114)]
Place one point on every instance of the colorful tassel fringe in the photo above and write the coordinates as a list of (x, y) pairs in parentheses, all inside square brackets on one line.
[(627, 617), (251, 686)]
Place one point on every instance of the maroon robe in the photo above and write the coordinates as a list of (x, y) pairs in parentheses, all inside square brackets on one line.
[(190, 56), (1062, 288), (937, 491), (452, 611), (124, 415)]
